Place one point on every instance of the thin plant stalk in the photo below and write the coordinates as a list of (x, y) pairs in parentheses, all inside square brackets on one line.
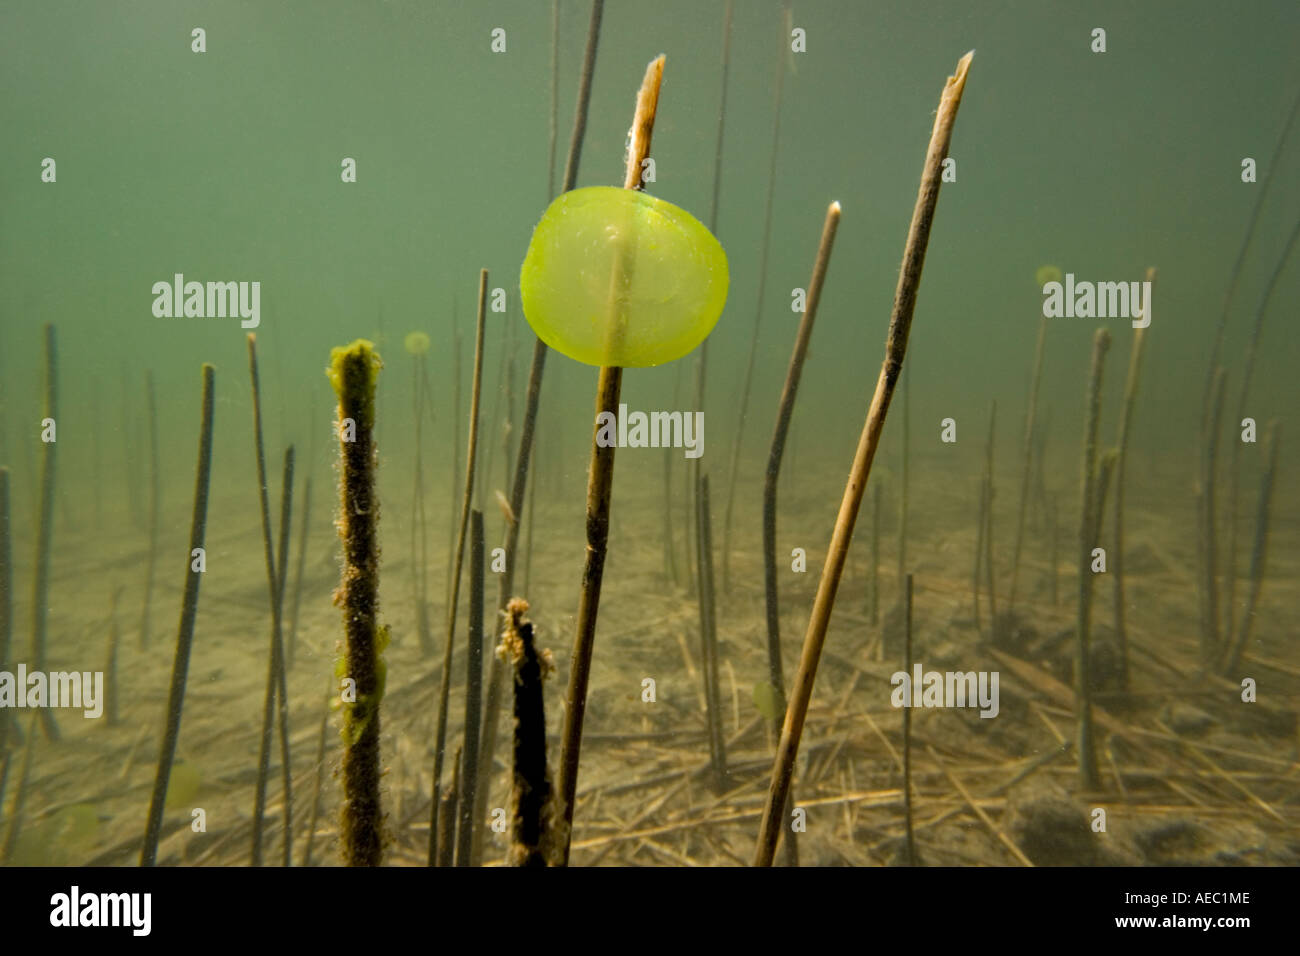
[(555, 99), (471, 455), (6, 603), (45, 524), (304, 520), (1248, 372), (473, 693), (278, 666), (600, 485), (981, 522), (419, 531), (457, 476), (905, 461), (784, 412), (155, 517), (111, 713), (314, 815), (1053, 545), (747, 382), (907, 728), (709, 647), (275, 659), (1023, 501), (1208, 524), (19, 806), (900, 325), (492, 705), (185, 635), (1259, 555), (445, 847), (693, 468), (1121, 461), (1211, 369), (875, 554), (1088, 778), (989, 576)]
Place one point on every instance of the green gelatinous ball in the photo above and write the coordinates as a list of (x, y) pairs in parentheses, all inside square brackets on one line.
[(767, 700), (617, 277), (1046, 274), (182, 786)]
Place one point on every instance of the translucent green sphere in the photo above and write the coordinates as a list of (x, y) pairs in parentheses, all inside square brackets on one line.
[(617, 277)]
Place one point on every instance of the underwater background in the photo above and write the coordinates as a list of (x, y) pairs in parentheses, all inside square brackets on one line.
[(225, 166)]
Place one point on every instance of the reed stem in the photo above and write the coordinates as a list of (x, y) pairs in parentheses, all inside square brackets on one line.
[(600, 485), (1259, 554), (709, 647), (534, 833), (6, 604), (1023, 501), (473, 693), (275, 662), (449, 808), (1208, 524), (1121, 461), (702, 353), (1248, 373), (353, 371), (907, 728), (1088, 779), (154, 510), (900, 324), (492, 705), (45, 524), (784, 412), (185, 636), (304, 522), (471, 454), (989, 575), (737, 440), (111, 714), (320, 779), (875, 556)]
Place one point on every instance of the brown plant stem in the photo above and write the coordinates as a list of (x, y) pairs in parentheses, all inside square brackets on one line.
[(1209, 523), (1259, 555), (702, 353), (989, 576), (784, 412), (907, 727), (275, 663), (1248, 373), (1088, 779), (600, 485), (6, 605), (304, 522), (473, 693), (737, 438), (1023, 501), (492, 704), (154, 510), (185, 635), (709, 646), (1121, 461), (900, 324), (353, 372), (533, 828), (45, 525), (444, 690)]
